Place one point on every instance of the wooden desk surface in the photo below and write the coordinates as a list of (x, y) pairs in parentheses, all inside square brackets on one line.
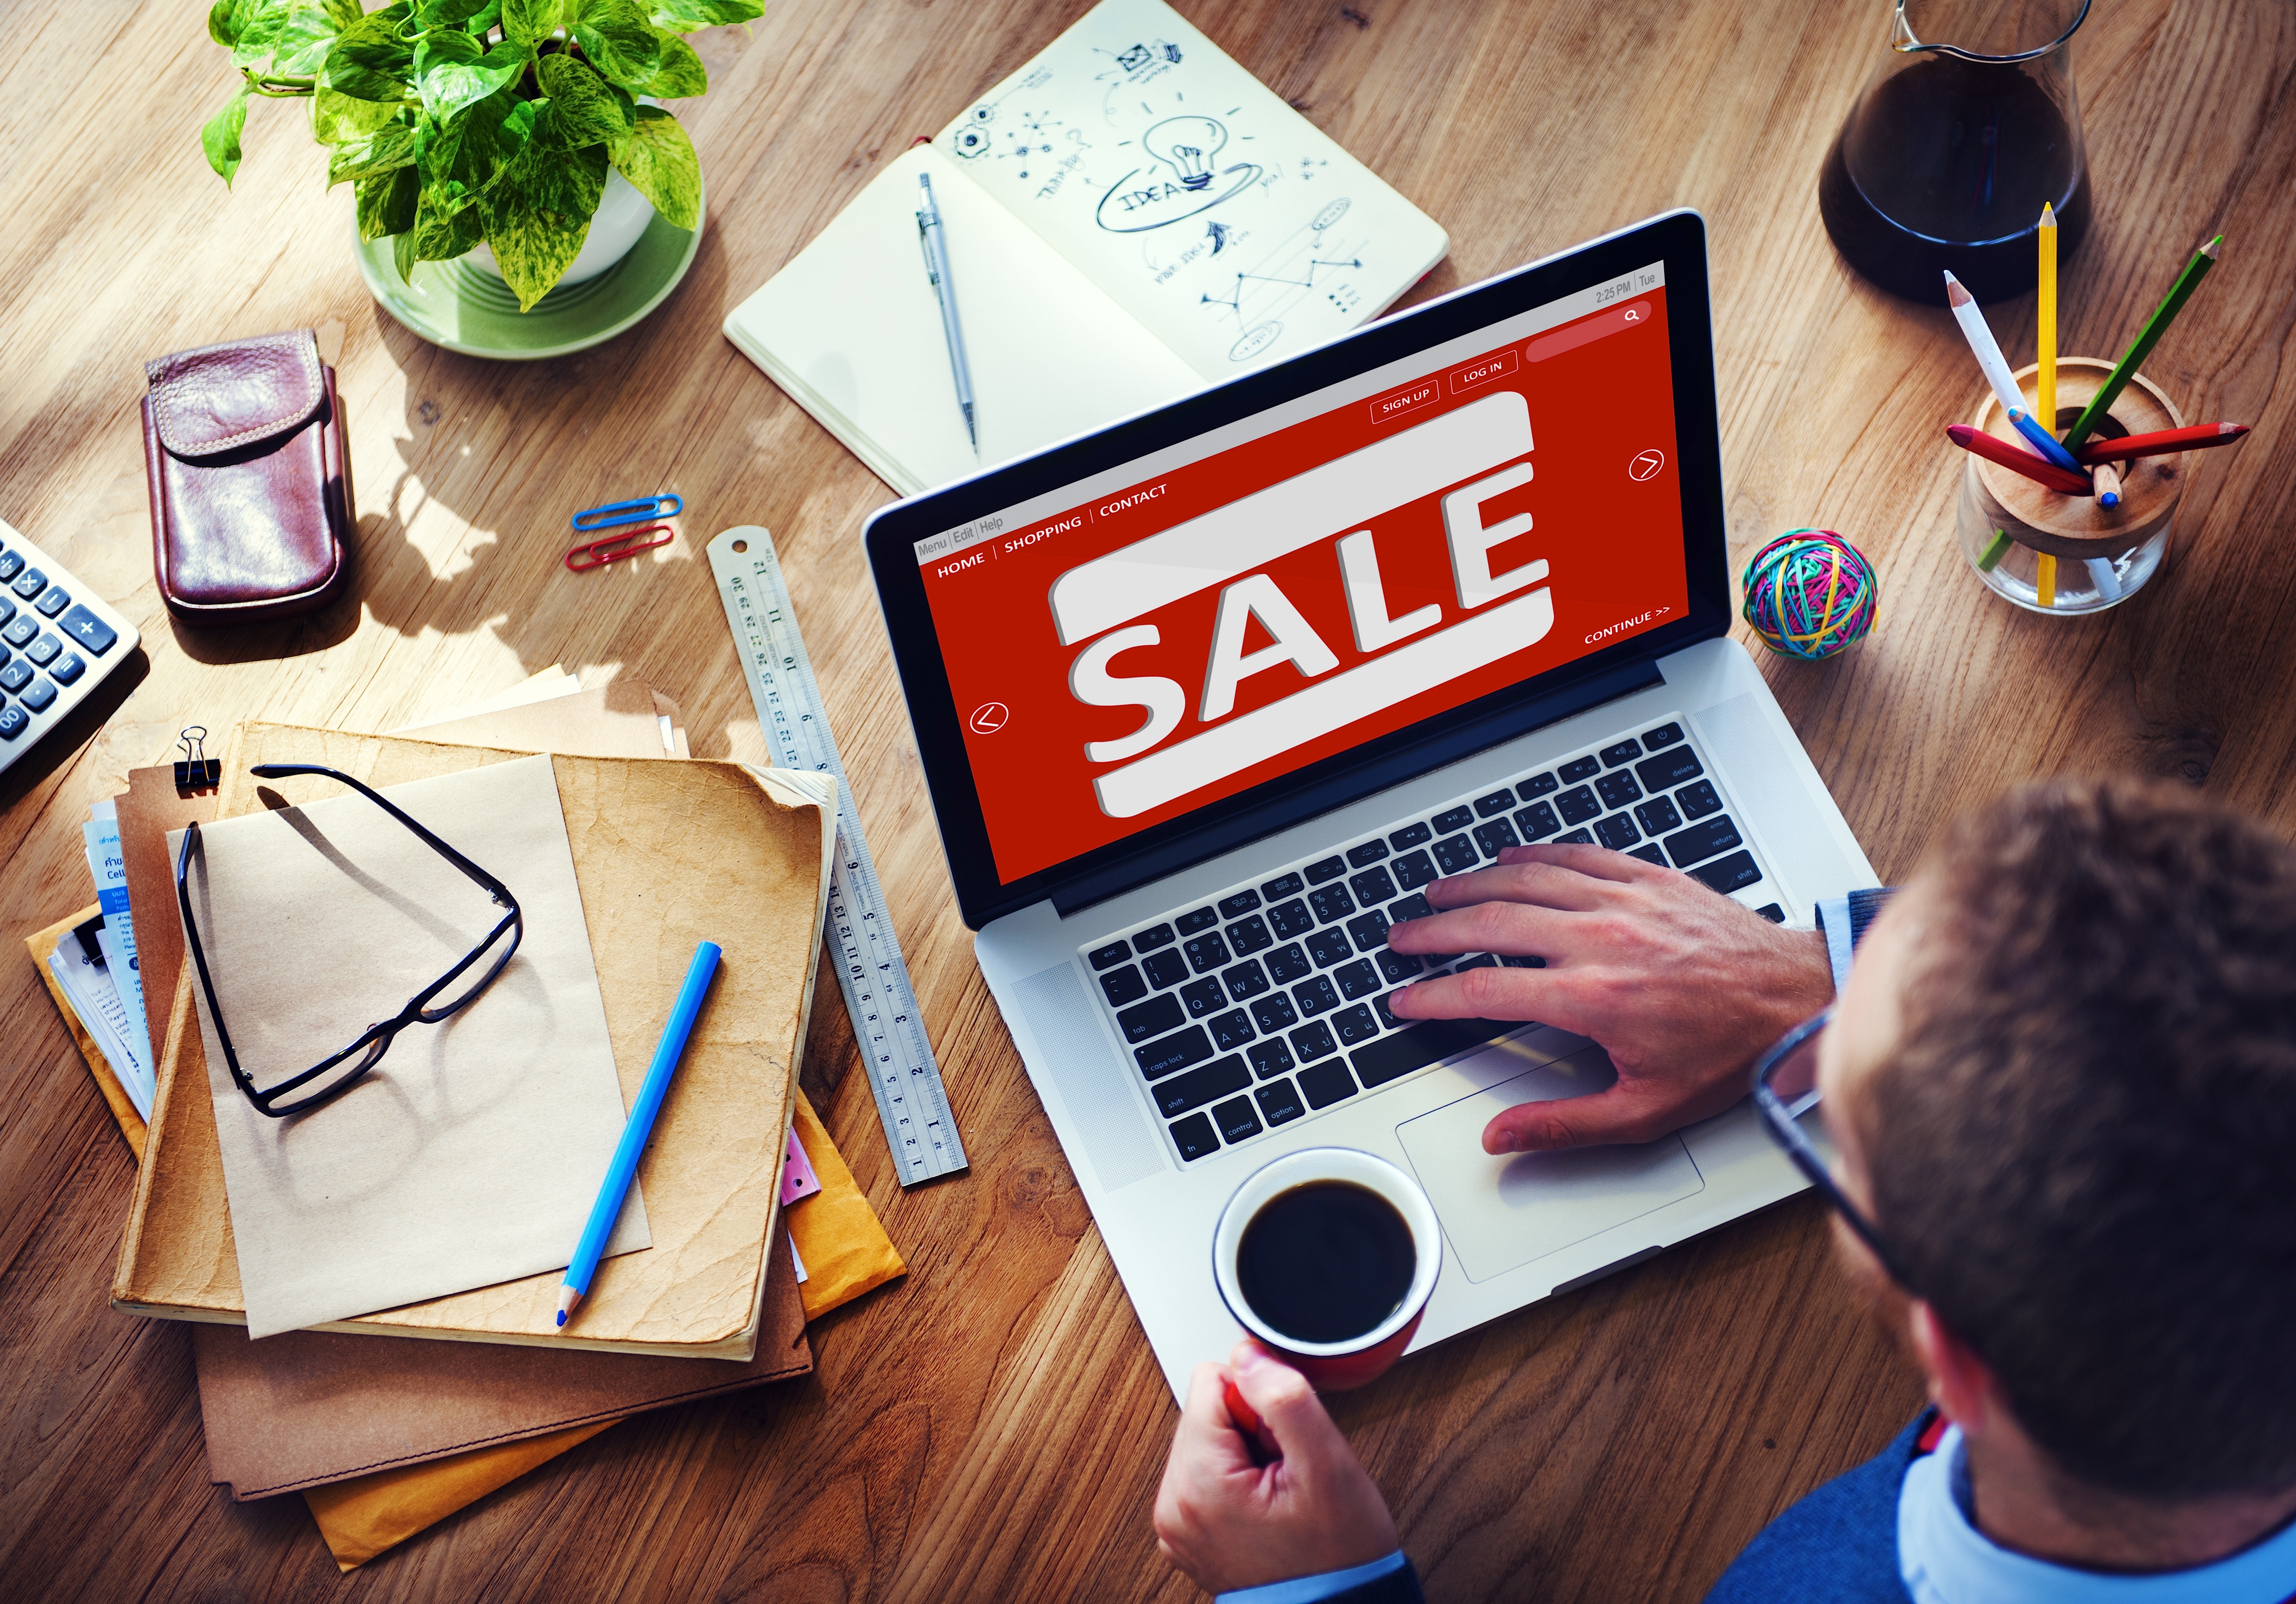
[(994, 1427)]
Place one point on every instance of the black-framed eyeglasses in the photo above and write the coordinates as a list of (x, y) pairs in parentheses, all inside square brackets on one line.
[(337, 1074), (1785, 1088)]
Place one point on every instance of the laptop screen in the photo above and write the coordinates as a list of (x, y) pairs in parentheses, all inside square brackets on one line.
[(1156, 635)]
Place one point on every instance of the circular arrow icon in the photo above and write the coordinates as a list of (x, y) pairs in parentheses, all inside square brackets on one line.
[(988, 717)]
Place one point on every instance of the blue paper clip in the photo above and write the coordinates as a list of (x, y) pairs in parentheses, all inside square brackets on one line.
[(614, 514)]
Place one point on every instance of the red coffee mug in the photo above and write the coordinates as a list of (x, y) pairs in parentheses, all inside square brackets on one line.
[(1334, 1366)]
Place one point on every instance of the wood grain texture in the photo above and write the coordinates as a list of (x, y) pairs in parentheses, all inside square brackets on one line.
[(993, 1425)]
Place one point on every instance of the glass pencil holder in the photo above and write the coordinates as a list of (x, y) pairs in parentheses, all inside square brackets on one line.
[(2070, 555)]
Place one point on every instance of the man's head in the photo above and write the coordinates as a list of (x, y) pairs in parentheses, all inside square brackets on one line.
[(2064, 1078)]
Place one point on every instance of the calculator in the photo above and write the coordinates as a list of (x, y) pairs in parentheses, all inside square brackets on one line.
[(58, 640)]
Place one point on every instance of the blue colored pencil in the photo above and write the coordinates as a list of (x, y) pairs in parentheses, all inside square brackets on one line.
[(624, 1168), (2042, 440)]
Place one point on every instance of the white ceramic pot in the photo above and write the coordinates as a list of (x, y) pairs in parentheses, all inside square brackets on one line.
[(622, 218)]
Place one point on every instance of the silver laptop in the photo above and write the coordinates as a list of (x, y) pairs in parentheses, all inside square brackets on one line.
[(1207, 697)]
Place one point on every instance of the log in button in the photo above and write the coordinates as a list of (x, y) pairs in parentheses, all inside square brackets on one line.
[(1482, 371)]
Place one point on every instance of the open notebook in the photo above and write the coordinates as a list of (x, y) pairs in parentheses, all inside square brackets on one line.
[(1128, 217)]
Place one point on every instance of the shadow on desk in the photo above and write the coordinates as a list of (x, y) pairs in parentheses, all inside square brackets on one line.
[(274, 639), (510, 450)]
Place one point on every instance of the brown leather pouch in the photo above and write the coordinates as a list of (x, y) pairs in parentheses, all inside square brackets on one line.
[(251, 483)]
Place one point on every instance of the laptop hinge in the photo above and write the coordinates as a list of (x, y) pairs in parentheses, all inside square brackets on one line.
[(1375, 773)]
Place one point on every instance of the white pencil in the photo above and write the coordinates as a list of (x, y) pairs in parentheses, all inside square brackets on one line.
[(1980, 335)]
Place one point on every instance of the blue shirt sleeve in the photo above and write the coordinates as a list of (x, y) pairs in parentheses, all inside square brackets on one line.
[(1843, 921), (1309, 1590)]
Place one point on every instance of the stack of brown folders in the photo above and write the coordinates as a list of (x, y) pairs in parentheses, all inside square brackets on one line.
[(665, 854)]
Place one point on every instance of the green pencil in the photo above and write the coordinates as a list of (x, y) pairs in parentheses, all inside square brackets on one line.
[(2149, 336)]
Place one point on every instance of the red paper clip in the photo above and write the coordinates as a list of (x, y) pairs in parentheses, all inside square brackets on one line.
[(614, 547)]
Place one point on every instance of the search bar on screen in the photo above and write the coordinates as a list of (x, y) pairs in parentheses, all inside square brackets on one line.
[(1632, 317)]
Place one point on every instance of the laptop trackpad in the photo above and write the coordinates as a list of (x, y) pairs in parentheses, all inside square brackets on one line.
[(1499, 1214)]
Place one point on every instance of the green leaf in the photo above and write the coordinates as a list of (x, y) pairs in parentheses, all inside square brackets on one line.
[(344, 12), (441, 233), (386, 202), (370, 61), (447, 13), (683, 16), (386, 149), (228, 18), (488, 16), (680, 73), (531, 21), (619, 40), (288, 41), (337, 118), (402, 255), (582, 108), (462, 157), (451, 73), (220, 137), (539, 213), (657, 159)]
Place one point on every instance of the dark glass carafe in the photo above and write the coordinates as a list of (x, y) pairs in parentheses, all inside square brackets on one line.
[(1966, 127)]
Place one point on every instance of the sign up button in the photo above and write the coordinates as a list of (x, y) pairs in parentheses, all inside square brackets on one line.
[(1396, 403)]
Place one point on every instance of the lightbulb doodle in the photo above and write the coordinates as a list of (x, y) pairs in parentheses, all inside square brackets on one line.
[(1188, 190), (1186, 177)]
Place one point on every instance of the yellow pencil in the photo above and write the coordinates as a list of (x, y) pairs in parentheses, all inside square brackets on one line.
[(2044, 578), (2045, 380)]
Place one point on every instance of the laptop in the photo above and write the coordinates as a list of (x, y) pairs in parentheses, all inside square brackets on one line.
[(1206, 697)]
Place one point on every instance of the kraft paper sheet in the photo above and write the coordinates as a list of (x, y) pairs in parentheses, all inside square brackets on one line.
[(469, 1156), (309, 1409), (619, 719), (666, 853)]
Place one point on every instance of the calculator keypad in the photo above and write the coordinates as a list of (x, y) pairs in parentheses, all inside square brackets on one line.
[(48, 642)]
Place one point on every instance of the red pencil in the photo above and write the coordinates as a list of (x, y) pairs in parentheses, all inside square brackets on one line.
[(1257, 1440), (2160, 442), (2019, 459)]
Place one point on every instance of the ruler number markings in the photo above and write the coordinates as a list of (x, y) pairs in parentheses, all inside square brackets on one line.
[(877, 994)]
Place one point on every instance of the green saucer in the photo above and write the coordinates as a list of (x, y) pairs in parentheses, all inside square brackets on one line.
[(468, 308)]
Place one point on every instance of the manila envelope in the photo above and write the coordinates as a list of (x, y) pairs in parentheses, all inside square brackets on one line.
[(306, 1408), (644, 856)]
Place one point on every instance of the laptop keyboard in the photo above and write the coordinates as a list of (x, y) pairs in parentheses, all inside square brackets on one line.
[(1268, 1004)]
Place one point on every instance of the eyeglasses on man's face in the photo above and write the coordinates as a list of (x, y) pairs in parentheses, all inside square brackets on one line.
[(1785, 1088), (451, 992)]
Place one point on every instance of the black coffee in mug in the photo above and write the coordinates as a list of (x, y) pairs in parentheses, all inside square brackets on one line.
[(1325, 1261)]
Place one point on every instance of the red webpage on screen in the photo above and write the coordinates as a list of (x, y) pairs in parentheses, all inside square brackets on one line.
[(1167, 645)]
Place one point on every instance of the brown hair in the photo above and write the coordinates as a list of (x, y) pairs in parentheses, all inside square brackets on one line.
[(2086, 1149)]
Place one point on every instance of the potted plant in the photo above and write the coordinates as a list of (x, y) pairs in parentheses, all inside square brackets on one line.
[(467, 122)]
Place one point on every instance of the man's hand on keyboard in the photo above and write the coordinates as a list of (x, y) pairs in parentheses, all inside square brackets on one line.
[(1681, 986)]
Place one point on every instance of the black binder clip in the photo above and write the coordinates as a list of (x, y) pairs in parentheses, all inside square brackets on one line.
[(195, 770)]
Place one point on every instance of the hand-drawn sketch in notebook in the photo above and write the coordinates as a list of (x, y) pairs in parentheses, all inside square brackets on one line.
[(1206, 207), (1129, 216)]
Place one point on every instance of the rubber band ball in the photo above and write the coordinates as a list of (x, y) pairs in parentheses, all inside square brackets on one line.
[(1810, 593)]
